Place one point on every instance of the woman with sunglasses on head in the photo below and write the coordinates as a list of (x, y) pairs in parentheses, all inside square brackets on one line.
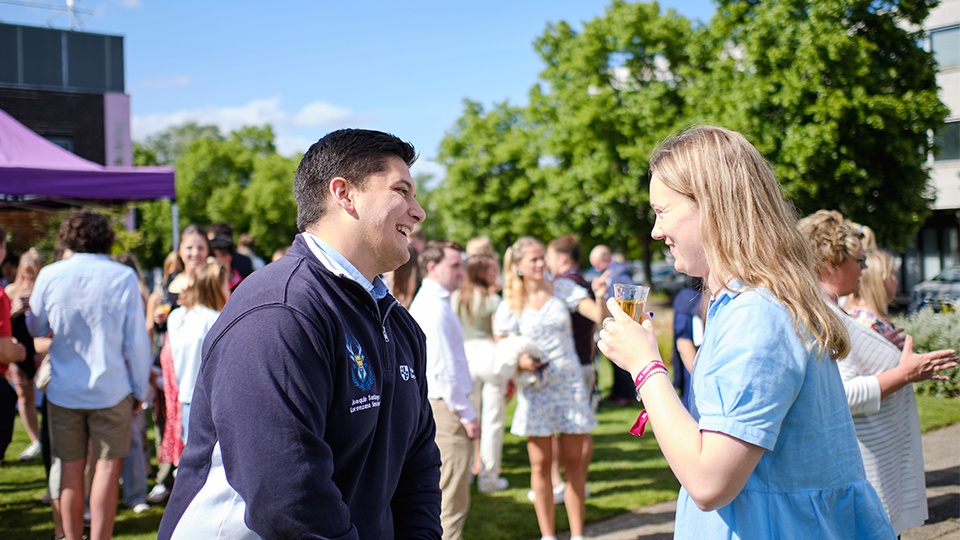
[(768, 449), (877, 376)]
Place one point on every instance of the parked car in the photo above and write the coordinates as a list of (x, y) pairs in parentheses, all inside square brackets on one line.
[(942, 293)]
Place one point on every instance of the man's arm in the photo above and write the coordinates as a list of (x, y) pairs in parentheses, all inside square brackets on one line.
[(11, 352), (136, 342), (268, 393), (416, 501)]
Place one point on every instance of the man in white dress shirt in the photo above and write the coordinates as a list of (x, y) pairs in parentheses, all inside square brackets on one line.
[(448, 380)]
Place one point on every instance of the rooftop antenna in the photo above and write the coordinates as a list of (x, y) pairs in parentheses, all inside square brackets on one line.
[(76, 16)]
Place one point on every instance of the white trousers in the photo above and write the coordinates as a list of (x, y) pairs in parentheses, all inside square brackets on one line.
[(488, 398)]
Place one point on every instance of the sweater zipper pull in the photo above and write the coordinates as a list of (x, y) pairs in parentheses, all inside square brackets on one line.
[(385, 337)]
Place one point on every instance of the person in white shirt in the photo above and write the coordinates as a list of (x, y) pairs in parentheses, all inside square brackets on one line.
[(187, 327), (448, 380)]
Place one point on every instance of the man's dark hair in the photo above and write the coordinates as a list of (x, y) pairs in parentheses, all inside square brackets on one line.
[(221, 243), (351, 154), (433, 252), (221, 229), (567, 245), (87, 231)]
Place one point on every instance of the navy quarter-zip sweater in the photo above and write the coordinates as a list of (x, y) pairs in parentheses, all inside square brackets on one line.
[(310, 416)]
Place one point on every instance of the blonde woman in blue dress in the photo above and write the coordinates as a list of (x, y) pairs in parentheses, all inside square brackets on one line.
[(559, 402), (768, 449)]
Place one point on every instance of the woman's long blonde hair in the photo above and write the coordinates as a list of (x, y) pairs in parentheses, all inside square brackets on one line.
[(32, 258), (873, 288), (514, 291), (207, 288), (749, 232)]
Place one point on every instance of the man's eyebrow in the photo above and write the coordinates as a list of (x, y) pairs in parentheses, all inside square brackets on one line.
[(406, 183)]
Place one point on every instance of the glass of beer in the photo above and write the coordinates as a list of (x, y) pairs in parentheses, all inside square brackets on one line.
[(631, 299)]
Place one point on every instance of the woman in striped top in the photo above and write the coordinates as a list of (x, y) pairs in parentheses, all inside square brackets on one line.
[(877, 378)]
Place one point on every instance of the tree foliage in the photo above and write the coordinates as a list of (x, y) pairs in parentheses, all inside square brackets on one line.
[(836, 94), (239, 179)]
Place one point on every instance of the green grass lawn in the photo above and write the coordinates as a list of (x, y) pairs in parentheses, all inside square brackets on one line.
[(627, 473)]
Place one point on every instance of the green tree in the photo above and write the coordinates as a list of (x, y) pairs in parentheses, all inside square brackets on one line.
[(238, 179), (493, 186), (837, 95), (575, 160), (608, 95)]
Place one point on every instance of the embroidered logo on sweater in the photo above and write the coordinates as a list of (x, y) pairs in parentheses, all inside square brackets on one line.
[(407, 372), (360, 372)]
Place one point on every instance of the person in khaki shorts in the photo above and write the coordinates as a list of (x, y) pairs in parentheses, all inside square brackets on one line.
[(100, 360)]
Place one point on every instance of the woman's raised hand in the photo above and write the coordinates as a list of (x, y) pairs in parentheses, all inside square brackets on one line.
[(625, 342), (920, 367)]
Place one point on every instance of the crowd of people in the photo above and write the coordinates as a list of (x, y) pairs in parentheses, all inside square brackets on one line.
[(357, 385)]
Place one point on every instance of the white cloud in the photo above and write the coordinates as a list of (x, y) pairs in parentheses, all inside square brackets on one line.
[(258, 112), (130, 3), (169, 82)]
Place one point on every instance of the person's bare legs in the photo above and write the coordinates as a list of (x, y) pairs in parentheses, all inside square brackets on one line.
[(587, 456), (104, 494), (573, 467), (540, 450), (57, 520), (71, 497), (555, 475), (26, 396)]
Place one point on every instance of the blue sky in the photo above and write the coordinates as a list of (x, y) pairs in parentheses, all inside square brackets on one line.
[(309, 67)]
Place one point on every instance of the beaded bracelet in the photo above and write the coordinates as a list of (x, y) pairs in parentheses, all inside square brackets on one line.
[(646, 372)]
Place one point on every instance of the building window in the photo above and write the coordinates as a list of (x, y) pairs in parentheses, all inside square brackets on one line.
[(945, 45), (63, 142), (948, 142)]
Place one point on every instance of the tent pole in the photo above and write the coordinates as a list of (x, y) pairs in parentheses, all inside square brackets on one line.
[(175, 224)]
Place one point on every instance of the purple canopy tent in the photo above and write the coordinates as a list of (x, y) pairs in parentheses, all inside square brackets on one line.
[(36, 174), (34, 170)]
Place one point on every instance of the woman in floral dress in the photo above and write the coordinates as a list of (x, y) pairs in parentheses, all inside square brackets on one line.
[(559, 402)]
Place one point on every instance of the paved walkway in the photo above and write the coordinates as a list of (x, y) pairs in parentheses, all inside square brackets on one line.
[(941, 460)]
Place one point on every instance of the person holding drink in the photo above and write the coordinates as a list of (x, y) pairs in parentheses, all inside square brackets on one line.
[(768, 449), (559, 402)]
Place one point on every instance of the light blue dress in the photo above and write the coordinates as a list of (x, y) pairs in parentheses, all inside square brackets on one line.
[(755, 379), (560, 402)]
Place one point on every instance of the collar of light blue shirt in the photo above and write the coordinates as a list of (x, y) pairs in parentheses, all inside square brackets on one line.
[(338, 264)]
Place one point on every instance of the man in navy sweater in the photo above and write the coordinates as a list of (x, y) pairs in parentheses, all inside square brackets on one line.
[(310, 417)]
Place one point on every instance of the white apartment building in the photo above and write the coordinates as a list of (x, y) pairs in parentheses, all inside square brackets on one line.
[(937, 247)]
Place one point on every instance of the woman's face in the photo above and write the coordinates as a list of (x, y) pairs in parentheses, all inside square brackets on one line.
[(532, 264), (193, 252), (678, 224), (30, 274), (890, 284), (848, 274)]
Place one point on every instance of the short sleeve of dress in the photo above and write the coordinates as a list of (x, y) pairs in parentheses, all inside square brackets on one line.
[(505, 322), (569, 293), (751, 366)]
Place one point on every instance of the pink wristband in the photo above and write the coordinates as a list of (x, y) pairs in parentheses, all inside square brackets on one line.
[(646, 372)]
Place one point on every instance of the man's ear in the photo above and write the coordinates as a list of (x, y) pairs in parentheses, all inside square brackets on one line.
[(341, 193)]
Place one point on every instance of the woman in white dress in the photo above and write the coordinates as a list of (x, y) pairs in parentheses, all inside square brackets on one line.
[(559, 402), (877, 378)]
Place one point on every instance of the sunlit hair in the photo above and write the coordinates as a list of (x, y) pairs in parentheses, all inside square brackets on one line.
[(32, 259), (207, 288), (434, 252), (834, 239), (873, 289), (867, 237), (407, 279), (514, 290), (171, 264), (476, 278), (747, 230), (481, 245)]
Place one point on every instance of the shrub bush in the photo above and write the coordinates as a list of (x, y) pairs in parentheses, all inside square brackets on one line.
[(933, 331)]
